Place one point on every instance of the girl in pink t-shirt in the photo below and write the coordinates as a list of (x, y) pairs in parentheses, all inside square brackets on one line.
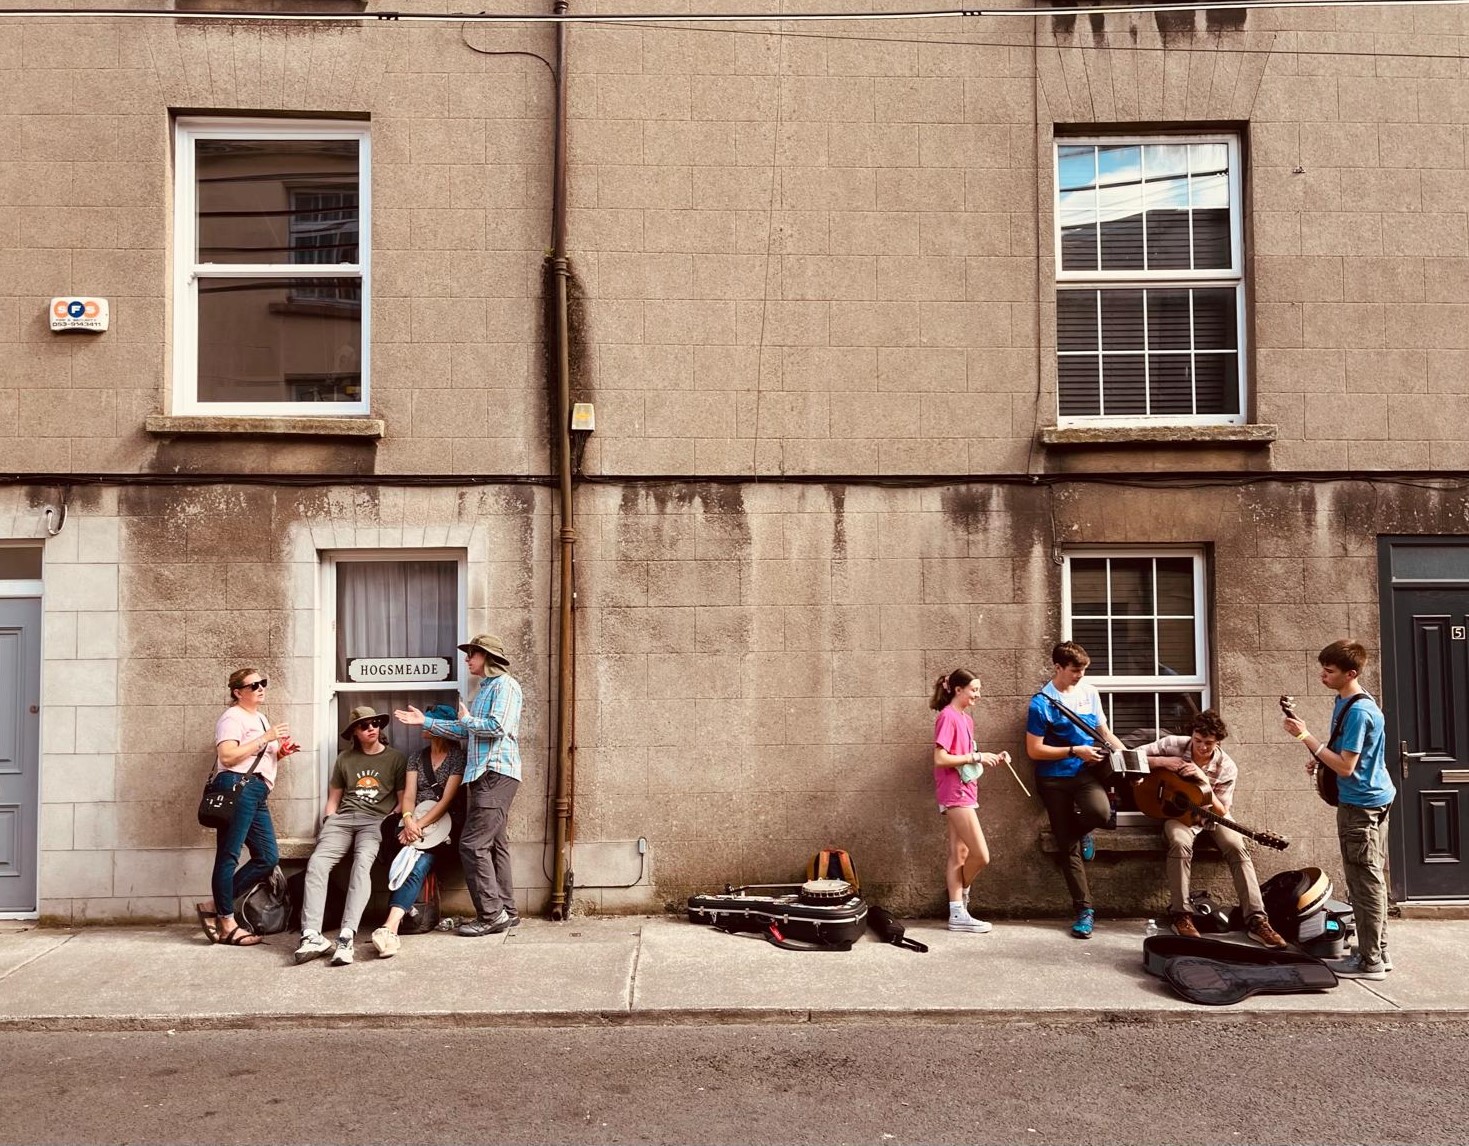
[(954, 694)]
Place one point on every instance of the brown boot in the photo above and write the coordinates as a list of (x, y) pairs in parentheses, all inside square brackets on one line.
[(1261, 932), (1183, 924)]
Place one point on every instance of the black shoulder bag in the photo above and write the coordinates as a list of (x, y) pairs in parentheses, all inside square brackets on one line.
[(217, 808), (1326, 779)]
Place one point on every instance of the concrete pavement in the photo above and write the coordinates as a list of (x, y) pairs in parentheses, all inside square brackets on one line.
[(659, 969)]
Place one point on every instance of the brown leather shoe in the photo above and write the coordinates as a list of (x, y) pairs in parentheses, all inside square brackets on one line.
[(1183, 924), (1261, 932)]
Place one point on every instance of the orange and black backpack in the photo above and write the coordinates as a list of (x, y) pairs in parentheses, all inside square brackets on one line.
[(833, 863)]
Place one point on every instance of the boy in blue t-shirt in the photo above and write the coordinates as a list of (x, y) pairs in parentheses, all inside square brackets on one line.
[(1358, 756), (1074, 799)]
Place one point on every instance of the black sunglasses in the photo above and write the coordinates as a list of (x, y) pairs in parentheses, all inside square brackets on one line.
[(256, 685)]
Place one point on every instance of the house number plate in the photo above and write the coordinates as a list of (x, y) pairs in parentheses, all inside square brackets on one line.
[(1456, 632)]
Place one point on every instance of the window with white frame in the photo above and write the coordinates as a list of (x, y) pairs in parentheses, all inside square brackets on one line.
[(1143, 619), (1149, 281), (271, 267), (396, 620)]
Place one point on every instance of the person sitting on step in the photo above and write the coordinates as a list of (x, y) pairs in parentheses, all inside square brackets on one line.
[(1200, 756), (367, 783)]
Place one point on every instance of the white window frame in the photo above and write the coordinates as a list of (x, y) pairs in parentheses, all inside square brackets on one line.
[(328, 687), (1149, 280), (186, 270), (1199, 682)]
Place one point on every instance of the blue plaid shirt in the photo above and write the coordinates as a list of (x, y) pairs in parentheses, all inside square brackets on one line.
[(491, 730)]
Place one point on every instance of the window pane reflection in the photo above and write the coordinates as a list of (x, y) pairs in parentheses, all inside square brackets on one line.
[(277, 201), (280, 340)]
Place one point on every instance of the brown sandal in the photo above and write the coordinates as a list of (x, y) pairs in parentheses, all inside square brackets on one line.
[(239, 936), (208, 922)]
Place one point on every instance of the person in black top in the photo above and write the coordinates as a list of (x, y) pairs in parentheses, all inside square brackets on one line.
[(434, 776)]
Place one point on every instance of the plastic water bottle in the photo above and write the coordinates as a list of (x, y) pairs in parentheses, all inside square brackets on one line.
[(1152, 929)]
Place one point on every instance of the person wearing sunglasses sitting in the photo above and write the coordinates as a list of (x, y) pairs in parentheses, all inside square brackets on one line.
[(367, 783)]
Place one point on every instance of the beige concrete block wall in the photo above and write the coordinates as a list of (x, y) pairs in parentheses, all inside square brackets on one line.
[(460, 221), (150, 607), (790, 250), (755, 662)]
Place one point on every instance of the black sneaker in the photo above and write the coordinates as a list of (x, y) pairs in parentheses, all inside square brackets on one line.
[(482, 926)]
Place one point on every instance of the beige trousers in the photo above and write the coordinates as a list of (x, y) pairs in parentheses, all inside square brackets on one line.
[(1180, 839)]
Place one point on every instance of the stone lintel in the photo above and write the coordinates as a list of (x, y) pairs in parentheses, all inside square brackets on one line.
[(238, 424), (1250, 437)]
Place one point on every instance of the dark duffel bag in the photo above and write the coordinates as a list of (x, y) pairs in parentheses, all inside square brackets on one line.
[(266, 908)]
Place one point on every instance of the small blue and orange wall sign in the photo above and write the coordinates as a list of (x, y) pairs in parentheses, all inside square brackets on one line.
[(89, 314)]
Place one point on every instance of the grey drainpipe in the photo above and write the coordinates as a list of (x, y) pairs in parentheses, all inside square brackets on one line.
[(566, 688)]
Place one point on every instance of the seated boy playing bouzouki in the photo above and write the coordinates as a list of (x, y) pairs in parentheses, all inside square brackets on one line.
[(1198, 756)]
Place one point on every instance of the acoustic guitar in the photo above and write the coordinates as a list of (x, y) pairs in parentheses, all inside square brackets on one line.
[(1166, 795)]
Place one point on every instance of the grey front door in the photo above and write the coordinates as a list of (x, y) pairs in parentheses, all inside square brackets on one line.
[(1425, 638), (20, 750)]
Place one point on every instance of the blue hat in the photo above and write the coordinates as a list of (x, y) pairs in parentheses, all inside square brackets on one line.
[(442, 712)]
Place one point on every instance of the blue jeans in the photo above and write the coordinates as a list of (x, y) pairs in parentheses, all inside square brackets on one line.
[(250, 828), (407, 895)]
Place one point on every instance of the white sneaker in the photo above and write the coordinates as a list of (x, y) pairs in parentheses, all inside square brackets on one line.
[(313, 943), (386, 942), (968, 923), (343, 954)]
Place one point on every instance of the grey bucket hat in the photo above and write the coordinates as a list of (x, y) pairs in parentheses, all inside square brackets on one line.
[(490, 645)]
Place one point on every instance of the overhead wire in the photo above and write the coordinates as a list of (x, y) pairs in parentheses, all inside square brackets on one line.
[(400, 17)]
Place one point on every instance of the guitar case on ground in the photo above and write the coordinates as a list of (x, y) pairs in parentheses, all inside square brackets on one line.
[(1214, 972), (818, 915), (1158, 950), (1215, 983)]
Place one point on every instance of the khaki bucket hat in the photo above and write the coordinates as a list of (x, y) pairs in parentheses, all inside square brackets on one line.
[(490, 645), (364, 715)]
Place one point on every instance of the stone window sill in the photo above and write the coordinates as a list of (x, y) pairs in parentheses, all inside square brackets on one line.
[(1248, 437), (235, 425), (1134, 841)]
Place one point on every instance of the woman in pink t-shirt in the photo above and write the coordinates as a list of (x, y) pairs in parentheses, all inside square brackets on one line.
[(954, 694), (245, 741)]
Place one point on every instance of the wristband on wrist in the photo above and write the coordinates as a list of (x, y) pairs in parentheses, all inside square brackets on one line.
[(1303, 736)]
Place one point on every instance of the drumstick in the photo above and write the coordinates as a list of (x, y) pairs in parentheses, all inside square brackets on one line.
[(1018, 780)]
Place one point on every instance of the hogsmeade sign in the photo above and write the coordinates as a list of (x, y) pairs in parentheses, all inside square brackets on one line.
[(397, 670)]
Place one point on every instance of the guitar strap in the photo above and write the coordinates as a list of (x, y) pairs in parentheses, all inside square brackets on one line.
[(1076, 720), (1341, 719)]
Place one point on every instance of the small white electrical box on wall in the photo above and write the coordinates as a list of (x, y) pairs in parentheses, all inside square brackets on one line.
[(89, 314)]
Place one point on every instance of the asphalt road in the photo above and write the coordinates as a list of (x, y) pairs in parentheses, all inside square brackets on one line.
[(1184, 1081)]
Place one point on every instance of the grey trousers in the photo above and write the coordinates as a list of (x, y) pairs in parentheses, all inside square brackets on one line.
[(1363, 836), (484, 847), (1180, 839), (362, 833)]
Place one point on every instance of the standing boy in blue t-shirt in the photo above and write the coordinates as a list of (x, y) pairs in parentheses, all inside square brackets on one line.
[(1358, 756)]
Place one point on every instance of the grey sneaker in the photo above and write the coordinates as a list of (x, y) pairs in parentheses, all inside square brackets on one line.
[(1355, 968), (482, 926), (1386, 958), (343, 954), (313, 943)]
